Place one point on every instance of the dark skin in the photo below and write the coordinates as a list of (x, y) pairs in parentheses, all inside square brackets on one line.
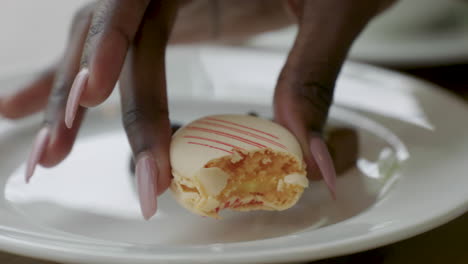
[(127, 39)]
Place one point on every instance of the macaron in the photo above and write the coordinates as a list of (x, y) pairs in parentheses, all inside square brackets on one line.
[(236, 162)]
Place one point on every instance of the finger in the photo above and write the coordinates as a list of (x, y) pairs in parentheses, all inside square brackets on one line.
[(29, 100), (54, 140), (113, 27), (305, 86), (174, 128), (144, 104)]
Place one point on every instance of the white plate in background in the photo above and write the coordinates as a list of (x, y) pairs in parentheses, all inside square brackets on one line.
[(441, 43), (444, 43), (411, 177)]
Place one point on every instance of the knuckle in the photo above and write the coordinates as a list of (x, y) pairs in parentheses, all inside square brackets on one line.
[(131, 119), (139, 124), (135, 118), (105, 14), (317, 93), (132, 16), (311, 98), (316, 96), (99, 18), (97, 25)]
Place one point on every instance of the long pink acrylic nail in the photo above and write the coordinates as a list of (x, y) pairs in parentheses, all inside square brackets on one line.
[(73, 102), (146, 175), (39, 146), (325, 163)]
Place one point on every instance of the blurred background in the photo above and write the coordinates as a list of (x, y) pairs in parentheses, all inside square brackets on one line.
[(427, 39)]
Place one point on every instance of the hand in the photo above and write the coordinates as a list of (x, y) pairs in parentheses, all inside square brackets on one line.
[(126, 39), (304, 90), (104, 35)]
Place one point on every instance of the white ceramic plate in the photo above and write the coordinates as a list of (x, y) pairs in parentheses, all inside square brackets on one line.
[(444, 43), (411, 177)]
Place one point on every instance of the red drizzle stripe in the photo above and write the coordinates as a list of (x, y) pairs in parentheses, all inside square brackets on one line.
[(215, 141), (253, 143), (244, 132), (239, 125), (209, 146)]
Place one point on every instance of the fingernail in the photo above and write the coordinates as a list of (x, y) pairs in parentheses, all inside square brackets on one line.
[(38, 148), (146, 174), (324, 162), (73, 102)]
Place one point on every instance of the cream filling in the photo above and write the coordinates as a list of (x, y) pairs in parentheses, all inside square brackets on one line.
[(212, 180), (297, 179)]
